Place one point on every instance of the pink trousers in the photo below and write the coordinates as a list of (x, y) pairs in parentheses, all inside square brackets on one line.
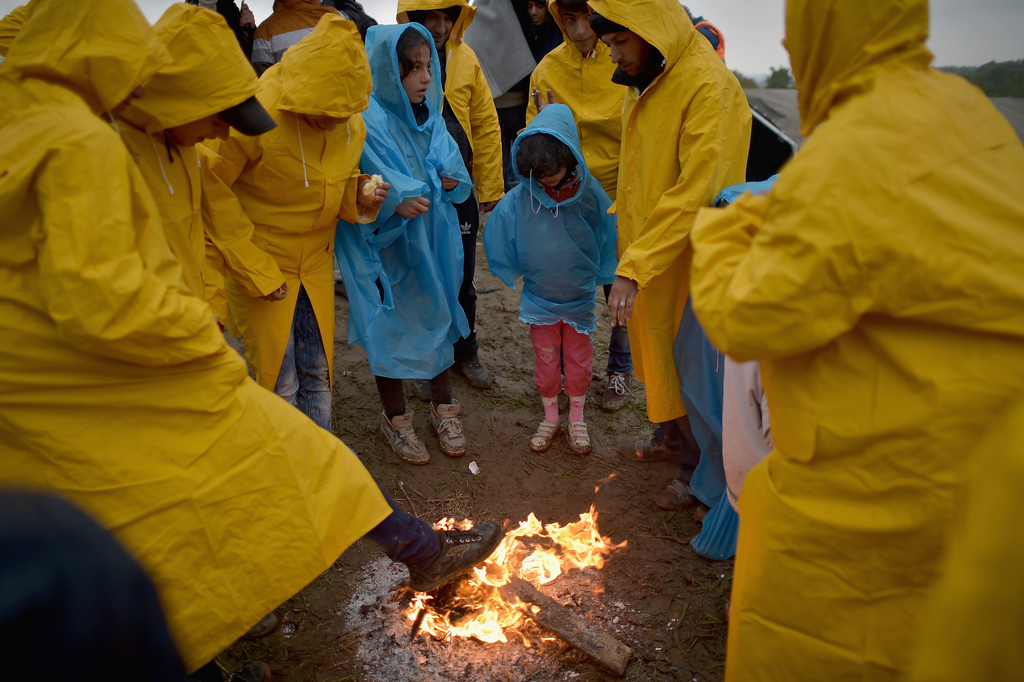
[(559, 348)]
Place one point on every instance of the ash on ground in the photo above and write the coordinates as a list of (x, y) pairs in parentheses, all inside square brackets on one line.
[(376, 617)]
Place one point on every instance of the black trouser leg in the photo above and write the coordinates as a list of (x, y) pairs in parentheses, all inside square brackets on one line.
[(469, 222), (441, 388), (511, 120), (392, 396)]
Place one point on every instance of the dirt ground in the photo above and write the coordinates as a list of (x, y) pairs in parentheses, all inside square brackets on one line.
[(675, 600)]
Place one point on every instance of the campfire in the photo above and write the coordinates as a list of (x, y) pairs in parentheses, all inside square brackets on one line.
[(494, 601)]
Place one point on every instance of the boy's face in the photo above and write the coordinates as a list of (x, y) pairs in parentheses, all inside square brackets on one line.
[(440, 26), (577, 26), (190, 134), (538, 12), (552, 180), (629, 51), (416, 81)]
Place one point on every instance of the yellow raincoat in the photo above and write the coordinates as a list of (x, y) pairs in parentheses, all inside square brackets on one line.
[(209, 74), (684, 140), (274, 228), (119, 392), (470, 98), (972, 631), (584, 84), (10, 25), (881, 286)]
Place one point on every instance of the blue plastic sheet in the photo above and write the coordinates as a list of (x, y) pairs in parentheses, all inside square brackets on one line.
[(562, 250), (403, 276)]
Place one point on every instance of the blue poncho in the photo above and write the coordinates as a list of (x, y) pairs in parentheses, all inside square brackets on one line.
[(408, 332), (701, 370), (562, 250)]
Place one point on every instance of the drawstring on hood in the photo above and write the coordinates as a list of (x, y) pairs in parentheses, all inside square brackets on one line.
[(302, 152), (539, 205), (113, 122), (160, 162)]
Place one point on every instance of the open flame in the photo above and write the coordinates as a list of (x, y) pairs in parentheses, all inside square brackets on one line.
[(534, 552)]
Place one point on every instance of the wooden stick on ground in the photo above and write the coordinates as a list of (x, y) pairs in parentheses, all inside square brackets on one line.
[(545, 611)]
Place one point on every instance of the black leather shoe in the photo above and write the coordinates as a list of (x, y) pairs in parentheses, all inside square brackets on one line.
[(461, 550), (477, 375)]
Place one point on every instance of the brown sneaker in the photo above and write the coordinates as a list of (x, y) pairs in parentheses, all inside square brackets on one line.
[(445, 419), (546, 434), (675, 497), (402, 439), (618, 391), (263, 628)]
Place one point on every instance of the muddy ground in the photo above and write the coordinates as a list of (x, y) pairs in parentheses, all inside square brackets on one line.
[(673, 600)]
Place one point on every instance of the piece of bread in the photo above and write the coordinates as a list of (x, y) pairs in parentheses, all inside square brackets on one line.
[(369, 189)]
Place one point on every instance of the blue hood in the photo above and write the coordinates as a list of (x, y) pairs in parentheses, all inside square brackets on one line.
[(382, 47), (555, 120)]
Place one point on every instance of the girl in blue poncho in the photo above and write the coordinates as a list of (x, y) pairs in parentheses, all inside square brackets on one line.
[(404, 270), (554, 231)]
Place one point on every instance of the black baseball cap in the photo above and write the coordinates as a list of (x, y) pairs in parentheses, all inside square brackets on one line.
[(601, 25), (249, 117)]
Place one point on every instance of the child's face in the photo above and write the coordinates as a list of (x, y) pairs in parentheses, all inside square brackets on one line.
[(552, 180), (416, 81)]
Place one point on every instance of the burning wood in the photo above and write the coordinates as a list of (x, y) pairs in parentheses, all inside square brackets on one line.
[(496, 597), (545, 611)]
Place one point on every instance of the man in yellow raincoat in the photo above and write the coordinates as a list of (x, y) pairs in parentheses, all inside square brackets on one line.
[(289, 188), (579, 73), (685, 137), (880, 284), (208, 85), (120, 393), (472, 121)]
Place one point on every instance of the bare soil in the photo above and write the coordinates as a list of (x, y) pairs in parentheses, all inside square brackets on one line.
[(668, 604)]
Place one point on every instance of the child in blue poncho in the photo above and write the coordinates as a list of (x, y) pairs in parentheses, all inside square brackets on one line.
[(404, 270), (553, 230)]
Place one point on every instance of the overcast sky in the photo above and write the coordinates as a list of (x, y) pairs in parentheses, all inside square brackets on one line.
[(963, 33)]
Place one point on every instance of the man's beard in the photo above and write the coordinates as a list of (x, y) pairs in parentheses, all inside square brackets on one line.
[(652, 68)]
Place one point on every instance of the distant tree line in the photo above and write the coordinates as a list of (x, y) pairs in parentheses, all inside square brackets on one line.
[(780, 79), (997, 79)]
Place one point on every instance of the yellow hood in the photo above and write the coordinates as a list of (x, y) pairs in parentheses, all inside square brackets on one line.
[(458, 30), (209, 73), (327, 73), (833, 43), (662, 23), (11, 25), (102, 49), (556, 14)]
